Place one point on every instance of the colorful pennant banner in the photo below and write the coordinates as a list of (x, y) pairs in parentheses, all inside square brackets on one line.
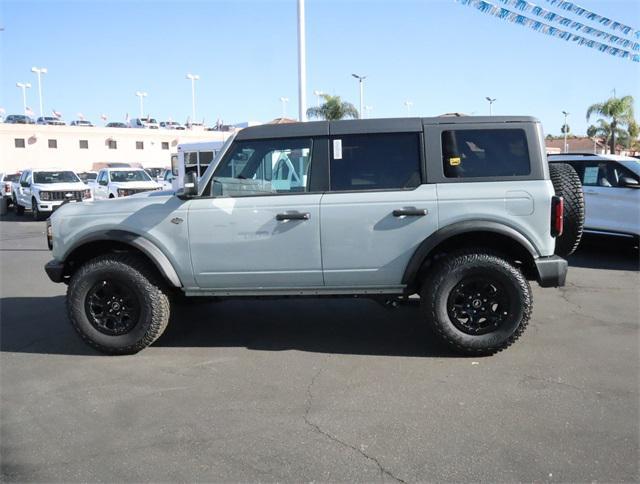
[(524, 6), (594, 17), (517, 18)]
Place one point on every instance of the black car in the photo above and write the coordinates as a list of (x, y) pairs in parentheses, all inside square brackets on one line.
[(19, 119)]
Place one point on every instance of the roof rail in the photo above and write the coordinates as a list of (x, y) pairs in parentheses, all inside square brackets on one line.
[(573, 153)]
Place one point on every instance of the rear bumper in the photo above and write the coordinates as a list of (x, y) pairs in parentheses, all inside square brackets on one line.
[(55, 270), (552, 271)]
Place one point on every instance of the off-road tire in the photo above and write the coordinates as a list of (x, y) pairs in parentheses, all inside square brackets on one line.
[(456, 267), (150, 291), (19, 208), (567, 185)]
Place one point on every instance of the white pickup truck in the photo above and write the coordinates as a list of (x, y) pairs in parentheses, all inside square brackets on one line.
[(121, 182), (43, 191)]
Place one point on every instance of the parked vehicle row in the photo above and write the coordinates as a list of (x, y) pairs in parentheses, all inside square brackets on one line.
[(148, 122)]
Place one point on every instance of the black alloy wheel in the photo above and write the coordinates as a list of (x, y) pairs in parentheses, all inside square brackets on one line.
[(478, 305), (112, 307)]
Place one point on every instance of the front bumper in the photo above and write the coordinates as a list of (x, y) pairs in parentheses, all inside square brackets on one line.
[(552, 271), (55, 270)]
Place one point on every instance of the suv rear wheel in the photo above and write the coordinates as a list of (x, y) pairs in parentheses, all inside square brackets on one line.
[(478, 303), (118, 304)]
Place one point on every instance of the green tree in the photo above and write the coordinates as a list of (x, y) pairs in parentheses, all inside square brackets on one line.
[(618, 112), (333, 108), (603, 130)]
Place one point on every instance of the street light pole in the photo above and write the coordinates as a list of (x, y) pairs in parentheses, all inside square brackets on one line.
[(408, 104), (194, 78), (39, 71), (317, 93), (565, 128), (361, 81), (491, 101), (24, 86), (302, 65), (284, 101), (141, 95)]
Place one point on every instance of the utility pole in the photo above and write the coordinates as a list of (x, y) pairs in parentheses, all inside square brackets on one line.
[(24, 86), (194, 78), (491, 101), (141, 95), (39, 71), (408, 105), (302, 65), (565, 130), (361, 81)]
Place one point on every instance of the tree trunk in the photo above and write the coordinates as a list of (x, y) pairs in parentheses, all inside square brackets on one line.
[(612, 147)]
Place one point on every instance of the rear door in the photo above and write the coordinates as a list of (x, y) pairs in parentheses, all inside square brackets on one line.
[(378, 210)]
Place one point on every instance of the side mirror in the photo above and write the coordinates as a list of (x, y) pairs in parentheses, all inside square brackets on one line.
[(628, 182), (190, 185), (24, 184), (103, 182)]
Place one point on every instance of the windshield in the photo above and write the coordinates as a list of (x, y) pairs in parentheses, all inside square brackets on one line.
[(154, 172), (205, 176), (42, 177), (129, 176), (12, 178), (633, 165), (149, 120)]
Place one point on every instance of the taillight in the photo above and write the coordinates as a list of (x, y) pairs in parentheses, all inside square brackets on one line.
[(557, 216), (7, 188)]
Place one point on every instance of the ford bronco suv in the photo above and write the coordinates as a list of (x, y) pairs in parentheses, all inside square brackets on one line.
[(459, 211)]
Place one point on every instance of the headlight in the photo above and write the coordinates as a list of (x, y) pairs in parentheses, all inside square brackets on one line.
[(45, 196), (86, 194)]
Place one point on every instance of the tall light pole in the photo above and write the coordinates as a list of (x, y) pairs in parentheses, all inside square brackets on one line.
[(194, 78), (39, 71), (491, 101), (284, 101), (565, 130), (361, 81), (408, 105), (141, 95), (302, 65), (24, 86), (317, 93)]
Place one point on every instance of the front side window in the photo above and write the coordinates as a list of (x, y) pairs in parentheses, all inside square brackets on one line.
[(264, 167), (42, 177), (383, 161), (129, 176), (472, 153)]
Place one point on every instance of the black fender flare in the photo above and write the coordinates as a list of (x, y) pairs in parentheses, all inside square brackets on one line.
[(148, 248), (439, 236)]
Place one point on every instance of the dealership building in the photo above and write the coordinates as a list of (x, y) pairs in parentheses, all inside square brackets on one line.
[(87, 148)]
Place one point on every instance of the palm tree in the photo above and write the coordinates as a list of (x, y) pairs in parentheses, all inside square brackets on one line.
[(333, 108), (619, 111), (603, 130)]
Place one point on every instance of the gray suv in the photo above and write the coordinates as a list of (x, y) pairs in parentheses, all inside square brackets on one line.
[(458, 211)]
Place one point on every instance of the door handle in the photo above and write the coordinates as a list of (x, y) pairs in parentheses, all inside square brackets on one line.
[(293, 216), (410, 212)]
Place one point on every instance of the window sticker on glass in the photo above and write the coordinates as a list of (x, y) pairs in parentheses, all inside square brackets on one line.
[(590, 175), (454, 161), (337, 149)]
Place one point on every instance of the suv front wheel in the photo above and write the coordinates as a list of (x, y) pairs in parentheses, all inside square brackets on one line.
[(477, 302), (118, 304)]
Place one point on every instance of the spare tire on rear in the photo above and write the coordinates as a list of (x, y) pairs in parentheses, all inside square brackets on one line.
[(567, 185)]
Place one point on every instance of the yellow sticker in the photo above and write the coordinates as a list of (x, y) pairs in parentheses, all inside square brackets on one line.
[(454, 161)]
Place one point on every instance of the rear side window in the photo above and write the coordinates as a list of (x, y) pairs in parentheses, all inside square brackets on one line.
[(375, 161), (472, 153)]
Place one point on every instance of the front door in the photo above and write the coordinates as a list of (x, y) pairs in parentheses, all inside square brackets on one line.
[(258, 228)]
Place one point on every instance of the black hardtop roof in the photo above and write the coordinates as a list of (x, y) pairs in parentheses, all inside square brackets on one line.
[(354, 126)]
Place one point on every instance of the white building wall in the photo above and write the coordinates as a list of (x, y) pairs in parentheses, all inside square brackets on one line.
[(68, 154)]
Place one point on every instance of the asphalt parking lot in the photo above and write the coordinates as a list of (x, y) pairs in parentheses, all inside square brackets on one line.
[(321, 390)]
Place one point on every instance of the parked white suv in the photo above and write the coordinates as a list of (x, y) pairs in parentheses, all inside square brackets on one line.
[(43, 191), (144, 123), (611, 186), (122, 182)]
